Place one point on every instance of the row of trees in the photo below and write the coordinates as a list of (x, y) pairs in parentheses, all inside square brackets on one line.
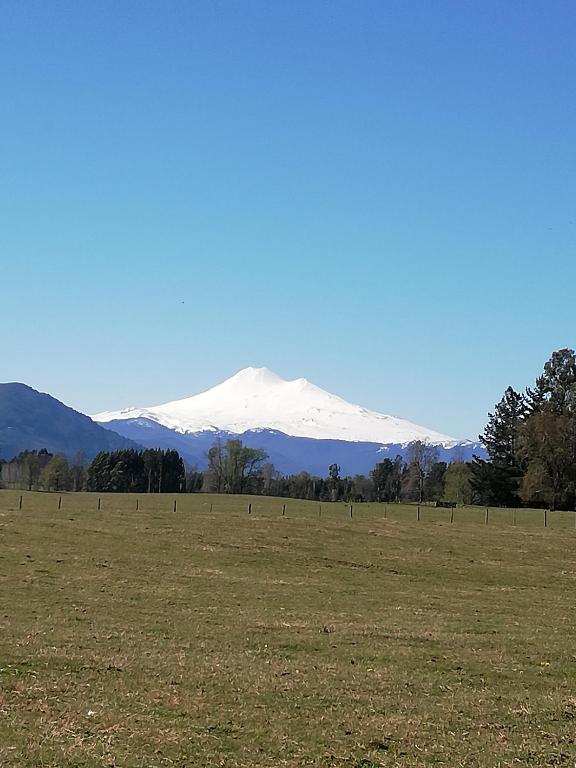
[(130, 471), (149, 471), (530, 439), (391, 480), (235, 468), (32, 470)]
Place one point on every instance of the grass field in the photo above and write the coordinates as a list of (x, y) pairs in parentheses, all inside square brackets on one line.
[(216, 638)]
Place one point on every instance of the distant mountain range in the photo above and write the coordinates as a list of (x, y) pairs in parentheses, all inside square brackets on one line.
[(31, 420), (301, 426), (289, 454)]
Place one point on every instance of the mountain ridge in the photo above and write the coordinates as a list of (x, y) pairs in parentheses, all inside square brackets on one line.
[(32, 420)]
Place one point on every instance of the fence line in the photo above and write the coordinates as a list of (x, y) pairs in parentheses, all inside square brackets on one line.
[(269, 507)]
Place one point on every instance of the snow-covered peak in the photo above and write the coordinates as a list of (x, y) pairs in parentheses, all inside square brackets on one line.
[(251, 379), (257, 398)]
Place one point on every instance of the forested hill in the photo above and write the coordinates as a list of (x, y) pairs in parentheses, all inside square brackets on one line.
[(31, 420)]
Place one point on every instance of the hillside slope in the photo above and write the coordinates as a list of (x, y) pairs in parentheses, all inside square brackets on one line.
[(31, 420)]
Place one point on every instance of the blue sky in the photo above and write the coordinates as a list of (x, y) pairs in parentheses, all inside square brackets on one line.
[(378, 196)]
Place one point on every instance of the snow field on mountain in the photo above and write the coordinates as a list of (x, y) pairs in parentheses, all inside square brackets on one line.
[(257, 398)]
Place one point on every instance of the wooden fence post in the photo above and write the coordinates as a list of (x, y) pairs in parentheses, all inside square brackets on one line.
[(418, 512), (451, 514), (98, 503), (319, 510), (137, 504), (283, 510), (514, 517), (250, 508), (60, 502), (545, 518), (385, 511), (20, 504), (210, 508), (350, 510), (174, 505), (486, 517)]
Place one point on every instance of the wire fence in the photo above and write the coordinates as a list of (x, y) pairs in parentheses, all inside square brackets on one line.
[(267, 507)]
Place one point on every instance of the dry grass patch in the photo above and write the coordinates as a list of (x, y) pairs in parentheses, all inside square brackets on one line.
[(156, 639)]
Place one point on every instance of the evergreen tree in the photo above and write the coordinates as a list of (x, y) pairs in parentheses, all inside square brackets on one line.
[(334, 482), (174, 474), (194, 481), (98, 473), (536, 397), (151, 460), (555, 388), (493, 484), (497, 481), (559, 382), (435, 481), (386, 479), (132, 471), (501, 433)]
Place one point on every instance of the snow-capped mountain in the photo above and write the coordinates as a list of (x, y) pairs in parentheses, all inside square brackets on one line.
[(258, 399), (300, 426)]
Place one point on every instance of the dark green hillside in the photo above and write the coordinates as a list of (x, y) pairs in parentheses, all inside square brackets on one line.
[(31, 420)]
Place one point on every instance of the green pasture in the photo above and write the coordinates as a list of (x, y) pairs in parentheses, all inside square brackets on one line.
[(208, 636)]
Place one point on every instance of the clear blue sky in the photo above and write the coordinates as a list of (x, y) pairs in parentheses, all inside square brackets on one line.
[(378, 195)]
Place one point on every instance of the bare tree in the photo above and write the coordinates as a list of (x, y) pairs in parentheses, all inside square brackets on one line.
[(216, 468), (422, 455)]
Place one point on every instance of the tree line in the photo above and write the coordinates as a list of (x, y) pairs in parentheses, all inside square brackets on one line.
[(530, 439), (236, 468), (124, 471)]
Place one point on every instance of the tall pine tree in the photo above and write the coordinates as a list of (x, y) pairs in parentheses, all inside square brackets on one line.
[(497, 480), (500, 436)]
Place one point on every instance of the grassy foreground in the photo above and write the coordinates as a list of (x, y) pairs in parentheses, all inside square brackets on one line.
[(217, 638)]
